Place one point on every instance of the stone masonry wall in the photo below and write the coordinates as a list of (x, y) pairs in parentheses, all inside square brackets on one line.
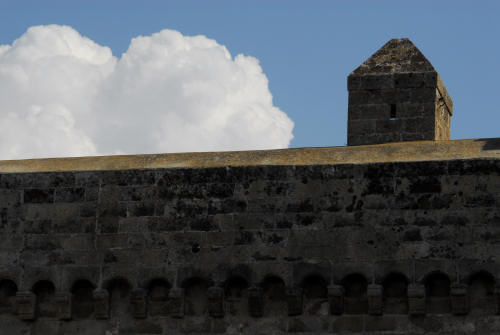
[(391, 108), (383, 248)]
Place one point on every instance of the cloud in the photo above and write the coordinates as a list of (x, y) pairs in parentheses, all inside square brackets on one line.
[(61, 94)]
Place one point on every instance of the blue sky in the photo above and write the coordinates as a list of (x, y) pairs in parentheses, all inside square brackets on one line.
[(307, 48)]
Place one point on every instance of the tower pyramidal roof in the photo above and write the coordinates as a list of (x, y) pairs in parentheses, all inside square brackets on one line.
[(399, 55)]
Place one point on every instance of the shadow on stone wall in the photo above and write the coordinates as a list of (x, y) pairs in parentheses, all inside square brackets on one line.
[(235, 297), (490, 143)]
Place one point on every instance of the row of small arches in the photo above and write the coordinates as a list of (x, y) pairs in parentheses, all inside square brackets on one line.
[(314, 290)]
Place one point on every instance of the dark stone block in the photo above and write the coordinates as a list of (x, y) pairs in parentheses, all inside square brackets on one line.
[(244, 237), (305, 219), (138, 193), (37, 226), (483, 200), (426, 185), (73, 226), (138, 303), (220, 190), (69, 194), (101, 303), (38, 196), (191, 208), (424, 222), (381, 324), (226, 206), (412, 235), (25, 305), (255, 302), (91, 194), (175, 302), (141, 208), (459, 299), (473, 167), (109, 257), (167, 193), (220, 326), (274, 239), (427, 324), (284, 223), (112, 209), (41, 242), (416, 299), (451, 220), (379, 186), (215, 301), (61, 179), (295, 325), (302, 206), (375, 299), (170, 176), (348, 324), (13, 180), (277, 172), (88, 210), (202, 224), (86, 179), (336, 299), (415, 80), (497, 299), (294, 301), (109, 224), (258, 256), (279, 188), (439, 201), (165, 224), (234, 206), (127, 177), (63, 302)]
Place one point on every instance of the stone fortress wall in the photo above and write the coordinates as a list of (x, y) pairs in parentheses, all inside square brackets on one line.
[(392, 246), (373, 238)]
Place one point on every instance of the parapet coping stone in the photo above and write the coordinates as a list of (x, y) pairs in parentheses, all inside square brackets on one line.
[(488, 148)]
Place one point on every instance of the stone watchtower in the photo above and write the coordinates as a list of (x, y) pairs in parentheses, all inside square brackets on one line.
[(397, 95)]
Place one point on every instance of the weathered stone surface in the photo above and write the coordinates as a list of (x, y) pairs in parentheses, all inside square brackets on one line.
[(399, 55), (176, 303), (25, 305), (294, 301), (375, 299), (215, 302), (459, 299), (255, 301), (416, 299), (294, 223), (336, 299), (64, 305), (101, 303), (138, 303)]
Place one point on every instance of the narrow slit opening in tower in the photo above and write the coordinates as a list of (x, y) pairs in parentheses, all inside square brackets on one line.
[(393, 112)]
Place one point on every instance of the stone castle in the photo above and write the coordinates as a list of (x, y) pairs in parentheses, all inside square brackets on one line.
[(396, 233)]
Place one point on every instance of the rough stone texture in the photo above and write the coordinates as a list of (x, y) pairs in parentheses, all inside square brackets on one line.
[(362, 154), (442, 118), (396, 95), (288, 249)]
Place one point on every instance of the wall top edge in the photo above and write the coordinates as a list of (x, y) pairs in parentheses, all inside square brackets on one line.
[(488, 148)]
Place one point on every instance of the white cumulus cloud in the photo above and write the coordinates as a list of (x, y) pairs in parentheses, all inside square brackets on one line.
[(61, 94)]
